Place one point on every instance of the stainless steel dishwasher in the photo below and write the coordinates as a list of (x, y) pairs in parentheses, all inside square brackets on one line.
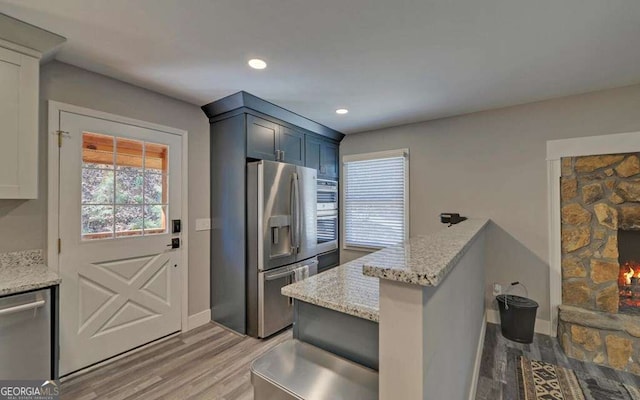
[(25, 336)]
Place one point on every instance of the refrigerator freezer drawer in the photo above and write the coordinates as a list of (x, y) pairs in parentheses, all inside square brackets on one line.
[(275, 311), (25, 335)]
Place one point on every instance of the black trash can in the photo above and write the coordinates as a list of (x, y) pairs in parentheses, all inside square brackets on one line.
[(517, 317)]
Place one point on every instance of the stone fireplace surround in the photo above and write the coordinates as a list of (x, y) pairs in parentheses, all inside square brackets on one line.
[(586, 322), (599, 195)]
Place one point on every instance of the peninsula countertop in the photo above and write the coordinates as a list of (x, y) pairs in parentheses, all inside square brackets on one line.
[(22, 271), (343, 288), (354, 288), (425, 260)]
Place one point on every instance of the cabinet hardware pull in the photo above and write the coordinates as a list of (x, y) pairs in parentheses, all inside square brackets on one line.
[(23, 307)]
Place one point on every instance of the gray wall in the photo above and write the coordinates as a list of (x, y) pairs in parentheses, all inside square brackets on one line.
[(23, 223), (457, 305), (492, 164)]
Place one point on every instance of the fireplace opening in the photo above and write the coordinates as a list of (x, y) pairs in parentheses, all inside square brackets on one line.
[(629, 277)]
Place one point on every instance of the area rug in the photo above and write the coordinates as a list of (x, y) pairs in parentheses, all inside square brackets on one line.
[(538, 380)]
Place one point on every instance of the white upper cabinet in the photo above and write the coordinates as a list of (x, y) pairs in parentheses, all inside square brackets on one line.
[(19, 77), (21, 48)]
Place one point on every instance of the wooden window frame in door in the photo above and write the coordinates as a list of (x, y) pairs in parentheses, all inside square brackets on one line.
[(55, 108)]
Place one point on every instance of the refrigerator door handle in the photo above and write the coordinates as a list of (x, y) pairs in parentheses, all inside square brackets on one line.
[(293, 207), (296, 187), (279, 275)]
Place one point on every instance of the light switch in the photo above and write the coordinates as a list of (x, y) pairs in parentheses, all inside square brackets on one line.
[(203, 224)]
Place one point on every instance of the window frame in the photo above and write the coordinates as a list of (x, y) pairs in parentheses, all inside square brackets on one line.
[(132, 233), (403, 152)]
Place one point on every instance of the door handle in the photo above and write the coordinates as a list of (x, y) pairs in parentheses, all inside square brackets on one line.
[(290, 299), (293, 207), (278, 276), (296, 224), (175, 243), (281, 155)]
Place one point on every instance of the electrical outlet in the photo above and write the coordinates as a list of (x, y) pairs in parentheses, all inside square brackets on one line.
[(497, 289)]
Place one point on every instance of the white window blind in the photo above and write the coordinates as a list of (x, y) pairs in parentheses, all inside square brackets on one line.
[(376, 199)]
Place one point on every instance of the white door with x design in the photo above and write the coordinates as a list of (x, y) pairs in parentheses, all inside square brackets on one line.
[(120, 186)]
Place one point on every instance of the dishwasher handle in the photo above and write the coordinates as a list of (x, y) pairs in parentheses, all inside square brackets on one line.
[(22, 307)]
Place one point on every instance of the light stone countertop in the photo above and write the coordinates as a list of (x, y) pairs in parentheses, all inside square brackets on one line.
[(425, 260), (22, 271), (354, 288), (343, 289)]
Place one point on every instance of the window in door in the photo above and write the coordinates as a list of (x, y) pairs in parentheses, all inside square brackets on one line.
[(376, 199), (124, 187)]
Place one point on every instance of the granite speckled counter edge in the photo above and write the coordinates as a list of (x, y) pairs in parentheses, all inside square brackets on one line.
[(22, 271), (343, 288), (425, 260)]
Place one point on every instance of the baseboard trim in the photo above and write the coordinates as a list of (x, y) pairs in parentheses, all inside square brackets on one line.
[(542, 326), (476, 366), (120, 356), (199, 319)]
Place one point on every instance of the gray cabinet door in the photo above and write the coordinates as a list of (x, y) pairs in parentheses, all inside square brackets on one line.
[(262, 138), (291, 146), (312, 153), (321, 155), (328, 160)]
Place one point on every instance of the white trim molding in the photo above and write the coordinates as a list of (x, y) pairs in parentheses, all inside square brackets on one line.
[(556, 150), (476, 365), (55, 108), (404, 153), (199, 319)]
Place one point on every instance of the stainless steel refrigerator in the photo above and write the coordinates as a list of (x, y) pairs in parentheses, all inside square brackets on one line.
[(281, 240)]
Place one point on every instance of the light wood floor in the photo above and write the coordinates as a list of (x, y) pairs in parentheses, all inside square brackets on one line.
[(205, 363), (498, 379), (213, 364)]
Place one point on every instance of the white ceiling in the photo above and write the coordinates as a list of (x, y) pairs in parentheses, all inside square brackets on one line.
[(388, 61)]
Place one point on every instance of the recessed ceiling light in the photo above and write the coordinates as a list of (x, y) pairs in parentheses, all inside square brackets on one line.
[(342, 111), (257, 63)]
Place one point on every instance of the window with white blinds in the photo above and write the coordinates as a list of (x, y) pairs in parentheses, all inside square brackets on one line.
[(376, 199)]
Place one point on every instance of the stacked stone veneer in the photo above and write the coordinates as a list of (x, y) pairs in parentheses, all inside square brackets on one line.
[(599, 195)]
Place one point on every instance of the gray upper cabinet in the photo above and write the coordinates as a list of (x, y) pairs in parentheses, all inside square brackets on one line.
[(329, 159), (262, 138), (312, 152), (291, 146), (267, 140), (322, 155)]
